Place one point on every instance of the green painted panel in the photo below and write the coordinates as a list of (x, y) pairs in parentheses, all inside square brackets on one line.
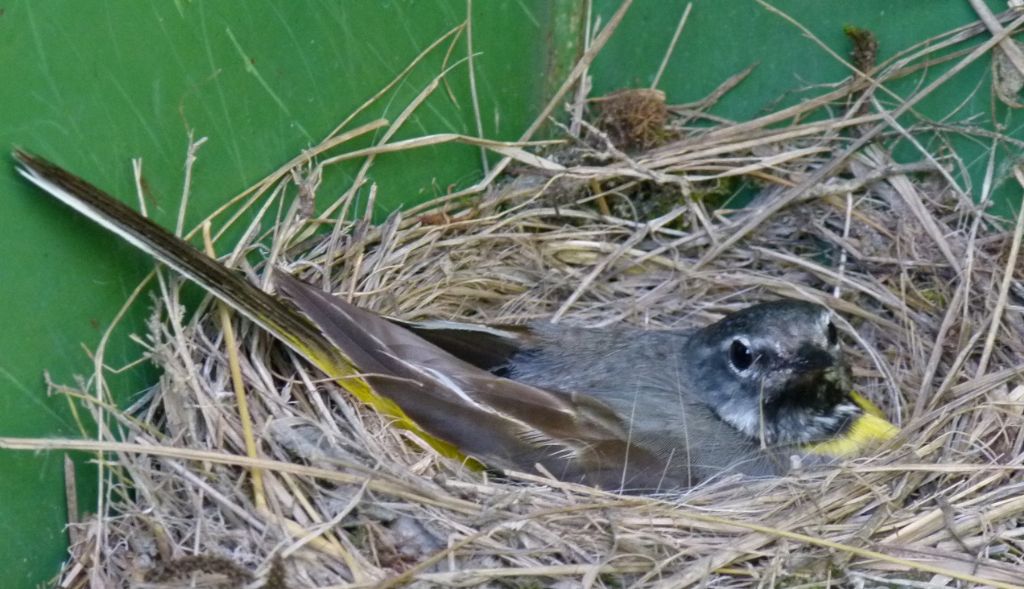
[(93, 84)]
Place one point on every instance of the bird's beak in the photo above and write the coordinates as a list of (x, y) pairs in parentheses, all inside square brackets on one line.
[(809, 369), (812, 359)]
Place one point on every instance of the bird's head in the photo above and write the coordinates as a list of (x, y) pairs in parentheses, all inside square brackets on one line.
[(775, 372)]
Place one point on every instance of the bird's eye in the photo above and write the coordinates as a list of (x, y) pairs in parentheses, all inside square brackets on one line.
[(833, 335), (740, 355)]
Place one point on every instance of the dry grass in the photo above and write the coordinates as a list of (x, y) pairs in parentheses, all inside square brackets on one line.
[(927, 284)]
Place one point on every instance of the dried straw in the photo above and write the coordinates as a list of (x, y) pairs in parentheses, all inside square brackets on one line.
[(328, 495)]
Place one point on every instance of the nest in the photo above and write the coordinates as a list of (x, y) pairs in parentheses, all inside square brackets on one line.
[(925, 283)]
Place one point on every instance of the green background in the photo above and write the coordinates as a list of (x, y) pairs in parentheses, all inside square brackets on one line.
[(92, 84)]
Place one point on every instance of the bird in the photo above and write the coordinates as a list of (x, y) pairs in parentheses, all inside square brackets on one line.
[(759, 391)]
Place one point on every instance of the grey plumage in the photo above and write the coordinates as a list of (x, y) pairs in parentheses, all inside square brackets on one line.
[(682, 402), (647, 377), (615, 407)]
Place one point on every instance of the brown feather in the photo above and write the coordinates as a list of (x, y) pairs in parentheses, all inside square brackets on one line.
[(500, 421), (490, 347)]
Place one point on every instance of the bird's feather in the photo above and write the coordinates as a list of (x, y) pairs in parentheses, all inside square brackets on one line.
[(280, 320), (490, 347), (501, 421)]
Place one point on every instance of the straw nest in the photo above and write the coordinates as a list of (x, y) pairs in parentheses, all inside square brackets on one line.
[(593, 232)]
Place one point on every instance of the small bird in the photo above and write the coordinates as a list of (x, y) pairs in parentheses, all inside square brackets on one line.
[(618, 408)]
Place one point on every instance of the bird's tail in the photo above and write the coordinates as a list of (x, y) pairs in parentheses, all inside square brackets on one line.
[(276, 317)]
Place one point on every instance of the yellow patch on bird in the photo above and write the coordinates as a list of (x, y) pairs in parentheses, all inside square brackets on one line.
[(869, 430), (344, 373), (866, 405)]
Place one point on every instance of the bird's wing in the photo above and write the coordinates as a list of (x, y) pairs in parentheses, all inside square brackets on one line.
[(490, 347), (500, 421)]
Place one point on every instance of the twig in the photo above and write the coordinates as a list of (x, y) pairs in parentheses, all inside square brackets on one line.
[(671, 46), (474, 99), (1007, 44), (242, 401), (186, 185), (1004, 287)]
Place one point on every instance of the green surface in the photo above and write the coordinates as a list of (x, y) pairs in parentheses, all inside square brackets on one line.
[(93, 84)]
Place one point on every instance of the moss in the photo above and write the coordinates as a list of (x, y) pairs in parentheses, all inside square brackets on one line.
[(649, 200), (865, 47), (634, 119)]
